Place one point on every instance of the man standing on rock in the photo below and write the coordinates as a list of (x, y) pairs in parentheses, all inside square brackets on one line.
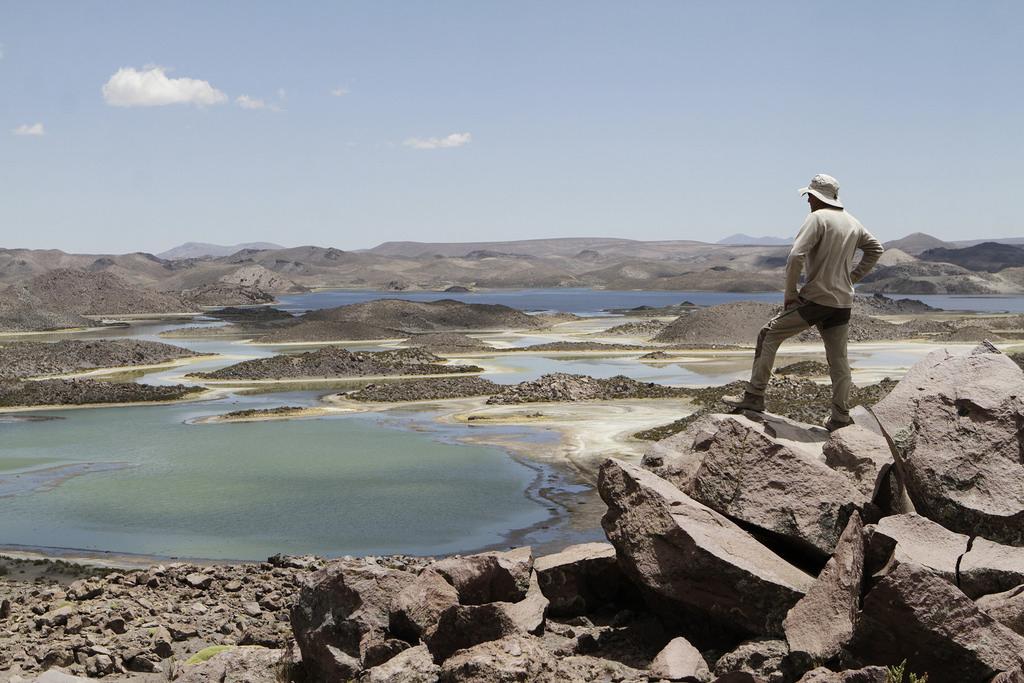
[(826, 244)]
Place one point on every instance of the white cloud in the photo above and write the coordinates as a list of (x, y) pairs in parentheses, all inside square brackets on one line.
[(453, 140), (246, 102), (339, 92), (151, 87), (34, 129)]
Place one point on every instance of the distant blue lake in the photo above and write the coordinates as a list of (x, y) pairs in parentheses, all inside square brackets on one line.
[(584, 301)]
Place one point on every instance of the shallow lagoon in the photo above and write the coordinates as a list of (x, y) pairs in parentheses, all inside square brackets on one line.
[(344, 485)]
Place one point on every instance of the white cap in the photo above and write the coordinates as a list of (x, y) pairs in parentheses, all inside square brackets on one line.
[(825, 188)]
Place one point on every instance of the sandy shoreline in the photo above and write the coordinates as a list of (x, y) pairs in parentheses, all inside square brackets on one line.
[(118, 369)]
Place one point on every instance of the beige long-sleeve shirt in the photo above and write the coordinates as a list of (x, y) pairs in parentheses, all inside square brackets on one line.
[(826, 244)]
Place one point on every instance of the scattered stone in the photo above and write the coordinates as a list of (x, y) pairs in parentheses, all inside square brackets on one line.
[(680, 661), (200, 581), (762, 658)]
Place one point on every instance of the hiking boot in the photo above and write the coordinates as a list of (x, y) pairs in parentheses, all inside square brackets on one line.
[(833, 423), (748, 401)]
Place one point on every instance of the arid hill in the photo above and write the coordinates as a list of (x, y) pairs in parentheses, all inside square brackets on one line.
[(428, 316), (990, 257)]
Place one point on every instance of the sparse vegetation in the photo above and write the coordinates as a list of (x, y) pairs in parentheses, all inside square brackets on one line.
[(895, 674)]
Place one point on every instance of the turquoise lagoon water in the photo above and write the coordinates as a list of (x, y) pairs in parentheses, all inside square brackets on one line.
[(345, 485)]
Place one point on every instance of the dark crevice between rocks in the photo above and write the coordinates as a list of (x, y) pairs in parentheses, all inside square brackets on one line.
[(970, 544), (800, 555)]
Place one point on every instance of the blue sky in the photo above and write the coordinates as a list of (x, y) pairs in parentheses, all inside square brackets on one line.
[(455, 121)]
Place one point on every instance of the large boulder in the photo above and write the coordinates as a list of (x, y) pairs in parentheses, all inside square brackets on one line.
[(340, 617), (915, 614), (822, 622), (863, 455), (488, 577), (688, 558), (414, 665), (418, 606), (763, 658), (464, 626), (753, 474), (916, 539), (580, 578), (991, 568), (955, 422), (1007, 608), (515, 658), (243, 664)]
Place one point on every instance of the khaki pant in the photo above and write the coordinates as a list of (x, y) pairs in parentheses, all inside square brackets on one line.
[(832, 323)]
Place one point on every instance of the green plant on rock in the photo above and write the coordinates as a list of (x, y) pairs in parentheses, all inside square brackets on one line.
[(895, 674), (207, 653)]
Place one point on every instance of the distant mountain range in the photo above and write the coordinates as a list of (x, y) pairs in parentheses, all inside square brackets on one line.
[(201, 249), (740, 238)]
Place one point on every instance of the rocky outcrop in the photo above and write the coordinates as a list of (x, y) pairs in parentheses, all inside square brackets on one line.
[(560, 386), (448, 342), (431, 389), (225, 294), (956, 423), (58, 392), (413, 317), (32, 359), (689, 558), (915, 614), (333, 361)]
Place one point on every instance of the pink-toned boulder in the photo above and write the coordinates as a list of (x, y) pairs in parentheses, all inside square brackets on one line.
[(821, 624), (689, 558), (915, 614), (955, 422)]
